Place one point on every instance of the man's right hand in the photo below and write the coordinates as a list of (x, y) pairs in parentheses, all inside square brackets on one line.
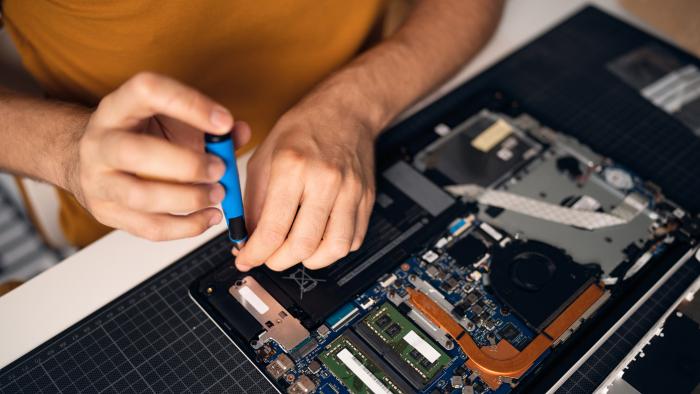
[(141, 164)]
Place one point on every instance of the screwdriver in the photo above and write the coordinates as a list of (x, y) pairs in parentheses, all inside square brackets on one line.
[(232, 205)]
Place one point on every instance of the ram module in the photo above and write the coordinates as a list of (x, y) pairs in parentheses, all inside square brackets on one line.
[(360, 369), (403, 345)]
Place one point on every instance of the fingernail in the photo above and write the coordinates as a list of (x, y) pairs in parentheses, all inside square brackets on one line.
[(215, 219), (216, 168), (221, 119), (217, 193)]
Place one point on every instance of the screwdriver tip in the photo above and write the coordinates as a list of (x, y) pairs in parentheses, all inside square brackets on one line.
[(239, 244)]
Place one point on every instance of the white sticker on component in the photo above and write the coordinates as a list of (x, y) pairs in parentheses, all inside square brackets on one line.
[(422, 346), (367, 377), (491, 231), (504, 154), (251, 298)]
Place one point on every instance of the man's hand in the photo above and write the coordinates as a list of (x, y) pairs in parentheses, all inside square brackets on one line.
[(141, 165), (310, 187)]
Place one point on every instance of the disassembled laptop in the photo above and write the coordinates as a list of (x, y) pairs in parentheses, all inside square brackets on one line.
[(489, 247)]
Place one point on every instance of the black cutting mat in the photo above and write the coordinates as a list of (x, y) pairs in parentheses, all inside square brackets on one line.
[(151, 339), (160, 341)]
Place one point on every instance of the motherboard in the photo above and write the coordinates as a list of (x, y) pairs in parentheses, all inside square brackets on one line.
[(488, 249)]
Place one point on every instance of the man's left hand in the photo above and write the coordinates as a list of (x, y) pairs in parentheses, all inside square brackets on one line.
[(310, 187)]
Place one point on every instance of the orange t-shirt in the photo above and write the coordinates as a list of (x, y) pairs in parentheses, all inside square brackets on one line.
[(255, 57)]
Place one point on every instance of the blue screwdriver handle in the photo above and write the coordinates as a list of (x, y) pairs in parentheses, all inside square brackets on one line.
[(222, 146)]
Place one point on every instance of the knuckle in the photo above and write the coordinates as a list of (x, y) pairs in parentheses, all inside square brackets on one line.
[(339, 249), (303, 247), (152, 232), (272, 235), (104, 104), (200, 198), (329, 172), (195, 165), (354, 180), (144, 83), (354, 186), (134, 197), (191, 100), (290, 157), (124, 150), (316, 215), (196, 226)]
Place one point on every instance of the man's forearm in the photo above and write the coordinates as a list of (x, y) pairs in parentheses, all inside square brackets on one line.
[(39, 137), (437, 38)]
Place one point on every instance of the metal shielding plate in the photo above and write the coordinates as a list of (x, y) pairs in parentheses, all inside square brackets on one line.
[(542, 180), (279, 325)]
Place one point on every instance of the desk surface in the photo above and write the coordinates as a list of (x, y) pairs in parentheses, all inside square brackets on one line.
[(61, 296)]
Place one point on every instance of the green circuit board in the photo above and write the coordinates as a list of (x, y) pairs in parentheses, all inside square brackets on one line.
[(399, 336)]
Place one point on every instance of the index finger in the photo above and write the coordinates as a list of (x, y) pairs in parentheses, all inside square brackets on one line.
[(156, 158), (148, 94), (279, 209)]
